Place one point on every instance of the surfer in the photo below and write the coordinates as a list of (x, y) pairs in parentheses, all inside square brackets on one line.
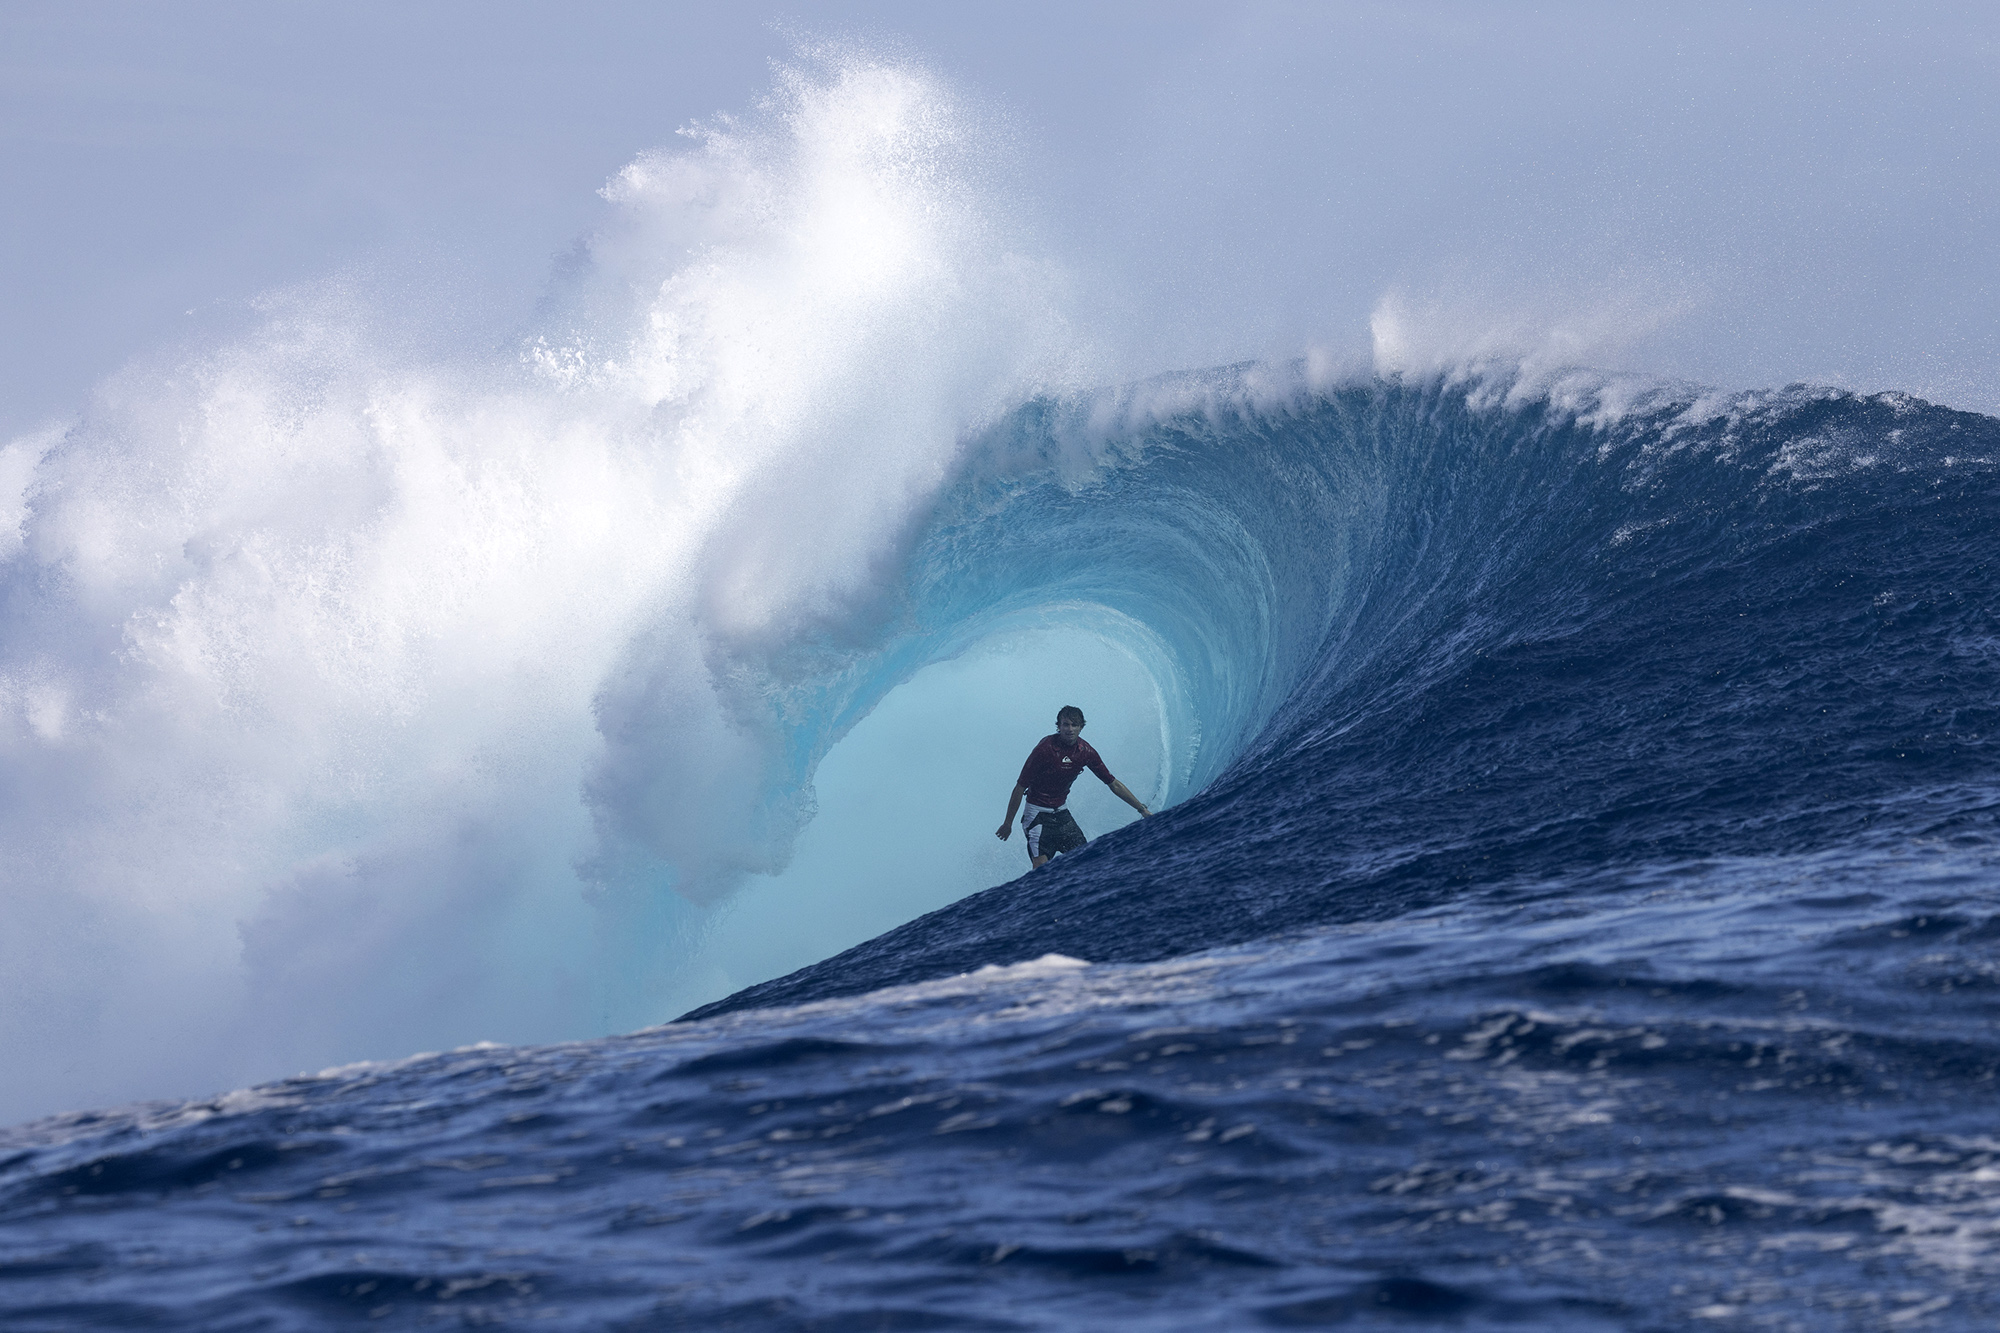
[(1045, 780)]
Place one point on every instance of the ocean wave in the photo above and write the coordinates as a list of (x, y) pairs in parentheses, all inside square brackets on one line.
[(1425, 636)]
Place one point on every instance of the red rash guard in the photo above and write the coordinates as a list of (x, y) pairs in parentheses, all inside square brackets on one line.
[(1051, 769)]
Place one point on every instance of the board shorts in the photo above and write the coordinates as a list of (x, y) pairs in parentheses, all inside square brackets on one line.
[(1050, 831)]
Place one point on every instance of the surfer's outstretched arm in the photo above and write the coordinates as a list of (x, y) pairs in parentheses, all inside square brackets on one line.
[(1124, 793), (1013, 808)]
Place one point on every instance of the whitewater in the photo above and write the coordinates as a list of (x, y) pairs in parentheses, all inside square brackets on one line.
[(1571, 906)]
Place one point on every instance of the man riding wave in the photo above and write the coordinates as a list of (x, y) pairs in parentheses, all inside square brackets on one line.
[(1045, 781)]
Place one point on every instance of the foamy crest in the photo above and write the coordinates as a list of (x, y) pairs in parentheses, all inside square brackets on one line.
[(327, 667), (1530, 343)]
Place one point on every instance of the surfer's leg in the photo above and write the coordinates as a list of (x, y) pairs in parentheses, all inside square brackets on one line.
[(1065, 836), (1031, 833)]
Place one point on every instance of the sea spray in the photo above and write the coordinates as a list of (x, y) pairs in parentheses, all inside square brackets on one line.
[(362, 698)]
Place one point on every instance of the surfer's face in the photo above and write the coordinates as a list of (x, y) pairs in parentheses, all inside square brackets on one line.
[(1067, 730)]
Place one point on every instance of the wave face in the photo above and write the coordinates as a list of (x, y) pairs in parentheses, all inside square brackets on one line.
[(1577, 912), (1433, 638)]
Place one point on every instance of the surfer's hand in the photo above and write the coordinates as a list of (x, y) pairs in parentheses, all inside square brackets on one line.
[(1003, 831)]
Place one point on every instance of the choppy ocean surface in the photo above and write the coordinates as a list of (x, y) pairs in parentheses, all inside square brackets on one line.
[(1582, 914)]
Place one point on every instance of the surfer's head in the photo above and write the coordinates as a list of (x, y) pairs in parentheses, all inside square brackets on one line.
[(1069, 721)]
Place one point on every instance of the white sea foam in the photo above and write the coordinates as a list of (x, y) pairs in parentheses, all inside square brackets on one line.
[(1525, 346), (337, 678)]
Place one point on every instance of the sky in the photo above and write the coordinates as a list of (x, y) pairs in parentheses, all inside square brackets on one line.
[(353, 633), (1739, 194)]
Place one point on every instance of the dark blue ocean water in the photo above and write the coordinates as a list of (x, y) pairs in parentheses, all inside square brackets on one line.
[(1584, 916)]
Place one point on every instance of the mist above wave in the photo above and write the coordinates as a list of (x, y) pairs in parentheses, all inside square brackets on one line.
[(339, 673)]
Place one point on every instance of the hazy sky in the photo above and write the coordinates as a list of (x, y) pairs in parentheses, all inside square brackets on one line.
[(346, 637), (1742, 194)]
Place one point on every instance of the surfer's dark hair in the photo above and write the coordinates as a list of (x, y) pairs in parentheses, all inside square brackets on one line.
[(1069, 710)]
